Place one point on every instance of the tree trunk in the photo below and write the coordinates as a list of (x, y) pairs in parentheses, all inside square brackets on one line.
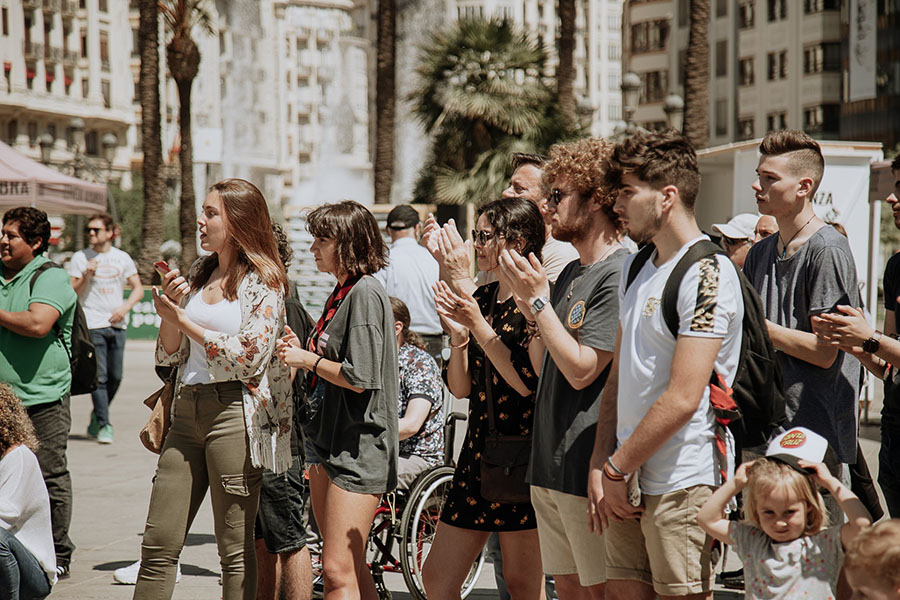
[(187, 210), (385, 98), (696, 79), (151, 141), (565, 68)]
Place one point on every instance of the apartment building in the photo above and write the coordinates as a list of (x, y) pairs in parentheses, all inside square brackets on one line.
[(65, 61), (772, 64)]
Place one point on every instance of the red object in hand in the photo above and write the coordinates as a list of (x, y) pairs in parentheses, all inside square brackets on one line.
[(161, 267)]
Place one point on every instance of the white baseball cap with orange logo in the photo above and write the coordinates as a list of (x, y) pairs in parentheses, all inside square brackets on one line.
[(796, 444)]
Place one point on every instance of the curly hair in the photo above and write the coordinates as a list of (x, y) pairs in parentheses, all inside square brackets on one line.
[(285, 252), (15, 426), (33, 225), (876, 551), (584, 163), (766, 475), (515, 218), (659, 159)]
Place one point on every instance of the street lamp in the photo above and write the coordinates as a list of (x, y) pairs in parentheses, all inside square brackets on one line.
[(631, 95), (674, 109), (77, 127), (46, 143), (109, 142)]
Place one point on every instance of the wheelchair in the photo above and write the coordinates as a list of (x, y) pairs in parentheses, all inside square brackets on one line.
[(405, 523)]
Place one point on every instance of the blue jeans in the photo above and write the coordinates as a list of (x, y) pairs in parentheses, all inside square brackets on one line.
[(109, 343), (21, 575)]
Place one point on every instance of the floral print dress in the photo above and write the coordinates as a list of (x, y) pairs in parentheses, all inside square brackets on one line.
[(514, 415)]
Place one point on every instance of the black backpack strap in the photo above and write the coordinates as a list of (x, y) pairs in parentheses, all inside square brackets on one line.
[(640, 259), (56, 328), (698, 251)]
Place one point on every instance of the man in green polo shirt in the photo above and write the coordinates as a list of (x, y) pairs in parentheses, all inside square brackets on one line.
[(32, 358)]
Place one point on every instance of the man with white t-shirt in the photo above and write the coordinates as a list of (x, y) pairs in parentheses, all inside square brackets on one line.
[(99, 275), (656, 422)]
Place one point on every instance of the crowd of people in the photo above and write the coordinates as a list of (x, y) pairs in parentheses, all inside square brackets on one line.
[(593, 452)]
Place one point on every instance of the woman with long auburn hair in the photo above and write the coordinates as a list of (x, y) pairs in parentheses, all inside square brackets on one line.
[(350, 418), (231, 416)]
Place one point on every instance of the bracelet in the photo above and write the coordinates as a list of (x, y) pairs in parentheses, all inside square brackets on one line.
[(615, 468), (532, 327), (609, 474), (461, 346), (316, 365)]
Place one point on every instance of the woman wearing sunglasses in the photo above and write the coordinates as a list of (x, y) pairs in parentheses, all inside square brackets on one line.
[(489, 362)]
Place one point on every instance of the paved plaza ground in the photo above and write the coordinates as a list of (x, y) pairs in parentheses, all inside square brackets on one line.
[(112, 490)]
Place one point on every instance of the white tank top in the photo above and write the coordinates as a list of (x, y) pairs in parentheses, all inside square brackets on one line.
[(224, 317)]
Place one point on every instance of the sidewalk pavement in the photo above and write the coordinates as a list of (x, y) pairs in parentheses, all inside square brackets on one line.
[(112, 486)]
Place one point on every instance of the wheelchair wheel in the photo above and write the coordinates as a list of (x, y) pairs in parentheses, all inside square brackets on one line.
[(418, 526)]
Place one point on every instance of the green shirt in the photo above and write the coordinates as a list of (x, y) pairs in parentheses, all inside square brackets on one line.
[(37, 368)]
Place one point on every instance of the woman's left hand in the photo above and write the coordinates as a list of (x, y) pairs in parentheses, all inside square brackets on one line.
[(461, 308), (167, 310), (847, 328), (296, 357)]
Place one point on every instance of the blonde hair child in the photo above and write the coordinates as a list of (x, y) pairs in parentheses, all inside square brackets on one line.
[(781, 542), (872, 565)]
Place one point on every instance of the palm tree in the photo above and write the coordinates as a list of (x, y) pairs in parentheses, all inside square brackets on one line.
[(183, 58), (696, 78), (565, 68), (482, 94), (385, 96), (151, 141)]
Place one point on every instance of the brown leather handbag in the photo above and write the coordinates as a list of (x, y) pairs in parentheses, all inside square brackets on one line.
[(153, 434)]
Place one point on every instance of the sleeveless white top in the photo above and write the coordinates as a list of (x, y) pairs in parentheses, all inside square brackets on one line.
[(224, 317)]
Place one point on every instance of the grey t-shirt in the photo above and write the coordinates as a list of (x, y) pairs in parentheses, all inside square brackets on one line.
[(585, 298), (818, 276), (355, 435), (807, 567)]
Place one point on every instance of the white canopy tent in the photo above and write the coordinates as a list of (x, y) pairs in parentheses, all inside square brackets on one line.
[(25, 182)]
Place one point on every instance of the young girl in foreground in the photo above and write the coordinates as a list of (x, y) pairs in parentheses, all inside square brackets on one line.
[(782, 544)]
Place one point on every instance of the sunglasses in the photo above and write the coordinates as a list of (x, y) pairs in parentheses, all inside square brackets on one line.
[(555, 197), (734, 241), (482, 237), (95, 229)]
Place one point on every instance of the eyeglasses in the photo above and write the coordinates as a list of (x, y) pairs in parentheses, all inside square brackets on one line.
[(734, 241), (483, 237), (95, 229)]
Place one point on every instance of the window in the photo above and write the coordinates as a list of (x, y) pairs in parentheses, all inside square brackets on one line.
[(776, 121), (777, 65), (614, 112), (91, 147), (654, 86), (136, 99), (84, 87), (615, 81), (649, 36), (722, 58), (684, 13), (817, 6), (104, 51), (746, 71), (721, 117), (614, 52), (135, 43), (822, 58), (746, 14), (745, 128), (777, 10), (32, 132), (12, 131), (4, 15), (822, 118), (101, 5), (84, 44), (721, 8), (614, 21), (104, 91)]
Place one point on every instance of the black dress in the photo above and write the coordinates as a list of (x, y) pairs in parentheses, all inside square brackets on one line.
[(513, 414)]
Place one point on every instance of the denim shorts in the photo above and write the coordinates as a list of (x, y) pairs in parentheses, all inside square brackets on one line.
[(279, 522), (309, 450)]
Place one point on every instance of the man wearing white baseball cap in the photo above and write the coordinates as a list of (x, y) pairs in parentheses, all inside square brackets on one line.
[(737, 236)]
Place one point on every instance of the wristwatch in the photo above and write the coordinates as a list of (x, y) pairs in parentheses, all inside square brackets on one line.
[(538, 304), (871, 345)]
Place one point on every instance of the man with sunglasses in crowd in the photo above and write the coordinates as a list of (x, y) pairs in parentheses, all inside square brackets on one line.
[(737, 236), (99, 275)]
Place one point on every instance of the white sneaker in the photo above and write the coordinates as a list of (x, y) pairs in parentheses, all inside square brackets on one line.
[(128, 575)]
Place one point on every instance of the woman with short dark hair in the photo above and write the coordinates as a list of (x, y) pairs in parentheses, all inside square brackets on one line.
[(350, 423), (489, 364)]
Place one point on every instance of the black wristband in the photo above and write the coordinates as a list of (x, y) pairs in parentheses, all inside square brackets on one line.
[(316, 365)]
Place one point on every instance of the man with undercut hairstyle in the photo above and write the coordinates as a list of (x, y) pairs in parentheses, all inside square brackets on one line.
[(805, 269)]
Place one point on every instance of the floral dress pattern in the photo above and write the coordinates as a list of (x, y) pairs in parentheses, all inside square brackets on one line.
[(420, 377), (249, 357), (514, 415)]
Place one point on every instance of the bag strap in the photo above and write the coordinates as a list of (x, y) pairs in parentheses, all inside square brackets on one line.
[(640, 259), (700, 250), (488, 371), (56, 328)]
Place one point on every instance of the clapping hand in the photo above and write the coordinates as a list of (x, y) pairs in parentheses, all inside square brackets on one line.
[(525, 277), (847, 328), (458, 311)]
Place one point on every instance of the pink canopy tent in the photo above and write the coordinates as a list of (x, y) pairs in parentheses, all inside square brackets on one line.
[(25, 182)]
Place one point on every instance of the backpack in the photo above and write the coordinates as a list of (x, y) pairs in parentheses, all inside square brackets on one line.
[(757, 394), (302, 324), (82, 355)]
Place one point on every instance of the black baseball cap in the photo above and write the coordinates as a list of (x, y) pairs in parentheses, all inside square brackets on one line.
[(402, 216)]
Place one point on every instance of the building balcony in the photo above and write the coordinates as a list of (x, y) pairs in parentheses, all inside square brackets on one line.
[(51, 5), (69, 8), (104, 65), (31, 4), (52, 54), (70, 58), (34, 51)]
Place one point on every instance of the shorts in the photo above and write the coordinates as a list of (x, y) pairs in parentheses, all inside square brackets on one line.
[(567, 546), (665, 548), (279, 521), (309, 452), (408, 470)]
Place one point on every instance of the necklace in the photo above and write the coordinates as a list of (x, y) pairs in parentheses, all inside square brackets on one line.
[(784, 245), (605, 255)]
